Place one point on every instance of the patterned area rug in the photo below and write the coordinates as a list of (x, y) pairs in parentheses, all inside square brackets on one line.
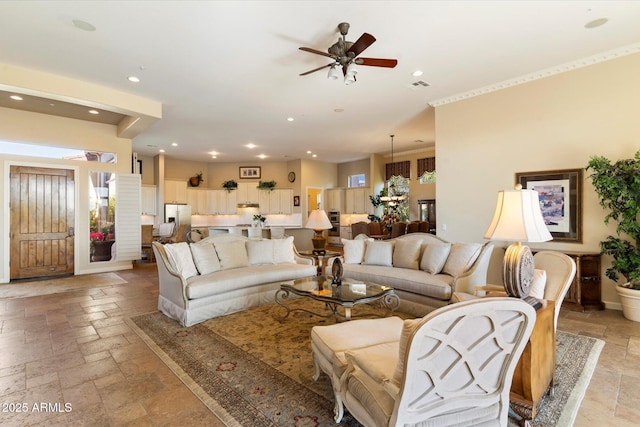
[(38, 287), (252, 369)]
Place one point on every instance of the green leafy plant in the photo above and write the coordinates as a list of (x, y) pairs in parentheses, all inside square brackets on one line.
[(618, 188), (230, 185), (199, 176), (266, 185)]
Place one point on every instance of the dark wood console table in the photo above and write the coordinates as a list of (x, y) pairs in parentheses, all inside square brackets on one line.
[(585, 291)]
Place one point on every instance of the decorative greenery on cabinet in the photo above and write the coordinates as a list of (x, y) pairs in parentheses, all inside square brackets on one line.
[(266, 185), (230, 185)]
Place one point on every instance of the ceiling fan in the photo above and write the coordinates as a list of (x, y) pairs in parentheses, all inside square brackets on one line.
[(345, 56)]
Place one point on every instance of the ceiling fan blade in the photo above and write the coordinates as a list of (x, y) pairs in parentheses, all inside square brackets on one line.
[(317, 52), (317, 69), (377, 62), (361, 44)]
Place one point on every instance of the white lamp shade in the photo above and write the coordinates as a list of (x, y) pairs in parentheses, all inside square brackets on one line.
[(518, 218), (318, 220), (352, 70), (334, 72)]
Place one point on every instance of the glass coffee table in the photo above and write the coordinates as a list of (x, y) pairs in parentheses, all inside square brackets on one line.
[(349, 294)]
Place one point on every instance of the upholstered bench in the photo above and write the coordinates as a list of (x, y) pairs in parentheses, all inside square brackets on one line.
[(329, 344)]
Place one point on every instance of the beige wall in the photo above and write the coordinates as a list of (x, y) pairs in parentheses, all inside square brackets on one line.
[(42, 129), (354, 168), (316, 174), (553, 123)]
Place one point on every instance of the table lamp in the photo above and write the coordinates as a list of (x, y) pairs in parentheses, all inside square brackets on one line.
[(518, 218), (318, 221)]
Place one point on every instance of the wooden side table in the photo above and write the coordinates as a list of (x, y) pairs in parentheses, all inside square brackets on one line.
[(536, 367)]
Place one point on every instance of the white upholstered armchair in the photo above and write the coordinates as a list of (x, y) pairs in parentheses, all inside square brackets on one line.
[(454, 367), (558, 271)]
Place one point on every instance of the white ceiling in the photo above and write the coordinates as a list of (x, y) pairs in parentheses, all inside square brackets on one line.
[(226, 72)]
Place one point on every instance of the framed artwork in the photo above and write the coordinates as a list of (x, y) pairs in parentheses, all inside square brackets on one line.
[(560, 194), (296, 200), (250, 172)]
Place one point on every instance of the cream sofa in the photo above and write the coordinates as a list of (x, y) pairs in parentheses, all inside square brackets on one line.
[(224, 273), (423, 269)]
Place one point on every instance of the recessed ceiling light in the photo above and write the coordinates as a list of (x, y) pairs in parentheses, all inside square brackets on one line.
[(133, 79), (213, 153), (417, 73), (16, 97), (263, 156), (94, 112), (290, 119), (83, 25), (214, 157), (251, 145), (308, 151), (314, 155), (596, 23), (174, 144), (161, 150)]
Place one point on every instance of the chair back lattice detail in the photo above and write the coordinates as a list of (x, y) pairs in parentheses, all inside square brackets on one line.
[(460, 362)]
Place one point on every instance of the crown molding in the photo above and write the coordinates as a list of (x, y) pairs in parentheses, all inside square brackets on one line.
[(569, 66)]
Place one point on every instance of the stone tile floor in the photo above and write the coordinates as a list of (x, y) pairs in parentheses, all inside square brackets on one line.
[(74, 347)]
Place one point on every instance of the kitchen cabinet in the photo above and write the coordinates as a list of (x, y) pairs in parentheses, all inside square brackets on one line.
[(221, 202), (277, 201), (345, 232), (148, 205), (284, 200), (357, 201), (247, 193), (334, 200), (199, 201), (175, 191)]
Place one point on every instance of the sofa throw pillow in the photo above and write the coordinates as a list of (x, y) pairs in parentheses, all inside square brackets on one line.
[(180, 256), (461, 258), (434, 257), (353, 250), (205, 257), (260, 252), (406, 253), (408, 328), (232, 254), (377, 252), (283, 251), (539, 283)]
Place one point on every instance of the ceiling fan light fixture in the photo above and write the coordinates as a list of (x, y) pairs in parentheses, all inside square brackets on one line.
[(352, 70), (334, 72)]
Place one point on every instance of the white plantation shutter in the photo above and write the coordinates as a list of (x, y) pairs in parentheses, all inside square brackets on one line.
[(128, 229)]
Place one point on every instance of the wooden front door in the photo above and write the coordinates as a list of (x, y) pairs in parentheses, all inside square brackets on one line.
[(42, 222)]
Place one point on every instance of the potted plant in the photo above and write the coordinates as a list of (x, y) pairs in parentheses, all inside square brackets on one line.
[(101, 243), (230, 185), (618, 188), (258, 220), (196, 180), (266, 185)]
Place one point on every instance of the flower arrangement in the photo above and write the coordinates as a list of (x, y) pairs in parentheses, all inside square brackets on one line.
[(259, 220), (97, 236)]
